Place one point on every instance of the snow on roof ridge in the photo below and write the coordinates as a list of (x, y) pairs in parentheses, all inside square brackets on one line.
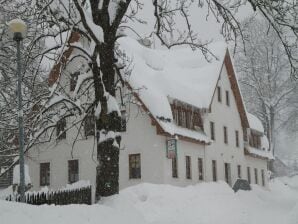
[(255, 123)]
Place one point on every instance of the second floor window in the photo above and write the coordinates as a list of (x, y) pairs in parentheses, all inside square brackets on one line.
[(212, 130), (237, 138), (225, 134), (60, 129), (218, 93)]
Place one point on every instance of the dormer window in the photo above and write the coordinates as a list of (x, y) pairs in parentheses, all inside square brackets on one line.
[(218, 93), (255, 140), (187, 117)]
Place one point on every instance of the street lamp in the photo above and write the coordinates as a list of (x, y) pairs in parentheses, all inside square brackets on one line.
[(18, 30)]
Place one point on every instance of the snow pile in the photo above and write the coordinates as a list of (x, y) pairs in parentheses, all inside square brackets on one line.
[(206, 203)]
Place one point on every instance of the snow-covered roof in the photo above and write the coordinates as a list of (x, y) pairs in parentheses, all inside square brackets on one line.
[(181, 74), (255, 123), (260, 153)]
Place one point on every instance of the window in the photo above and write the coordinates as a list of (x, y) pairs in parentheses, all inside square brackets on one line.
[(73, 80), (256, 176), (212, 130), (186, 117), (263, 177), (255, 140), (188, 167), (89, 125), (227, 98), (44, 173), (214, 170), (248, 175), (135, 166), (174, 168), (61, 125), (237, 138), (218, 94), (200, 169), (228, 173), (239, 171), (225, 135), (73, 171)]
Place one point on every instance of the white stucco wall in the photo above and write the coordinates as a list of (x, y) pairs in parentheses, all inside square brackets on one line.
[(141, 137)]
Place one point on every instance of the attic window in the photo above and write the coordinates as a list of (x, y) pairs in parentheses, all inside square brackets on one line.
[(60, 129), (227, 98), (73, 80), (218, 93)]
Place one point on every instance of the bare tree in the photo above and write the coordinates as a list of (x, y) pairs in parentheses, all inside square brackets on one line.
[(265, 78), (99, 23)]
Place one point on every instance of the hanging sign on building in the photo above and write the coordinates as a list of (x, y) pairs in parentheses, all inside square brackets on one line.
[(171, 148)]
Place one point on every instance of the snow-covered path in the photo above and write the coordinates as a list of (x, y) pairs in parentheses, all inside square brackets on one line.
[(207, 203)]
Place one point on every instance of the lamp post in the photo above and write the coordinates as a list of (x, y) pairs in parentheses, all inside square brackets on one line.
[(18, 29)]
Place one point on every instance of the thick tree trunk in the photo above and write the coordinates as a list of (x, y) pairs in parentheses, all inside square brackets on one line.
[(107, 177)]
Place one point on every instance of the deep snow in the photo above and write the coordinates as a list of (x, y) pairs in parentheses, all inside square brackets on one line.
[(205, 203)]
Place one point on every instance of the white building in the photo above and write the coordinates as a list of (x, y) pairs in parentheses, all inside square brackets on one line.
[(183, 101)]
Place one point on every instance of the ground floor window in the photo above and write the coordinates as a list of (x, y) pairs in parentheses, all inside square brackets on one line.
[(174, 168), (73, 171), (44, 173), (200, 169), (134, 166), (263, 177), (256, 176), (239, 171), (228, 173), (248, 175), (214, 170), (188, 167)]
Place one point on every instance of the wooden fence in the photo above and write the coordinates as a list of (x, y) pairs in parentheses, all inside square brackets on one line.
[(60, 197)]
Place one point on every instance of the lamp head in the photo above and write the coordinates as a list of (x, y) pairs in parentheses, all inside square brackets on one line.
[(17, 29)]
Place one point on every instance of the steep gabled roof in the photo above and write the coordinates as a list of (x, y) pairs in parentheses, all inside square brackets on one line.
[(180, 74)]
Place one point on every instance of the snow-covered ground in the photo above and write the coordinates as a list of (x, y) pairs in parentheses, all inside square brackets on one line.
[(207, 203)]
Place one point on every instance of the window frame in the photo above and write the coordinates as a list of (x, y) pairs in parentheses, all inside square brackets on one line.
[(219, 99), (214, 170), (44, 174), (263, 177), (248, 175), (174, 167), (239, 171), (227, 98), (73, 171), (226, 139), (200, 169), (134, 163), (188, 167), (212, 130), (237, 139), (256, 176)]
